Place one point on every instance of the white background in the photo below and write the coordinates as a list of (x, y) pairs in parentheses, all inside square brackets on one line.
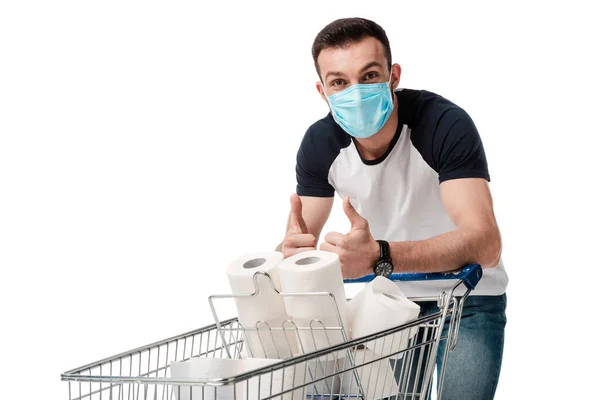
[(146, 144)]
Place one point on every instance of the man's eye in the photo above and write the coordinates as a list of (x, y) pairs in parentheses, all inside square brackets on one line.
[(370, 75), (337, 82)]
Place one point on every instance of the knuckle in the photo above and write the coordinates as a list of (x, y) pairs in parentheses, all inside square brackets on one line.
[(344, 242), (362, 224), (290, 252), (288, 241)]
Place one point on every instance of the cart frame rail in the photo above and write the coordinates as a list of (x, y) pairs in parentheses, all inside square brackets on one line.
[(143, 372)]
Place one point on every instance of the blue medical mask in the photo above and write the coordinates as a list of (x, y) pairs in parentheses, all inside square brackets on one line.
[(362, 109)]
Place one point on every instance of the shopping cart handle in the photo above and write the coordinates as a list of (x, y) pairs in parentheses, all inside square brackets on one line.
[(470, 274)]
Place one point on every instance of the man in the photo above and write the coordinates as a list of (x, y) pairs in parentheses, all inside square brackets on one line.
[(412, 171)]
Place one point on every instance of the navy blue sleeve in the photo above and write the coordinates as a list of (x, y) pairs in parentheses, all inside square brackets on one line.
[(458, 150), (312, 168), (320, 147), (447, 138)]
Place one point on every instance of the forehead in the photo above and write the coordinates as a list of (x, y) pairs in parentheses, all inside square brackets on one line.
[(350, 60)]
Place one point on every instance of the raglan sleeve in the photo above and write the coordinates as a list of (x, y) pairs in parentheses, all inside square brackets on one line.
[(457, 148), (312, 169)]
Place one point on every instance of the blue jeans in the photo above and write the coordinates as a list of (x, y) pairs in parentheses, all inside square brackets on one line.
[(473, 367)]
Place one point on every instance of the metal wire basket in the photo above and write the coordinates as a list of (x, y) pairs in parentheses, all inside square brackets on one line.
[(397, 363)]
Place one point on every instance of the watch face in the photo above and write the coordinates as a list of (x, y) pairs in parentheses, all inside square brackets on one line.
[(384, 269)]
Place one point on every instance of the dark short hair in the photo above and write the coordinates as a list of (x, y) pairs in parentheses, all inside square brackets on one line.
[(346, 31)]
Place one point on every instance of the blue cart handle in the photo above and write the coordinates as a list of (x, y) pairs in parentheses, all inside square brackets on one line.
[(470, 275)]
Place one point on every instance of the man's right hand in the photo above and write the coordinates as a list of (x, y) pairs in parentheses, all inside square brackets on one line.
[(297, 239)]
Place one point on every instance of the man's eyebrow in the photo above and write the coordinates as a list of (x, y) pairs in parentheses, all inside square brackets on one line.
[(371, 64), (366, 67), (333, 73)]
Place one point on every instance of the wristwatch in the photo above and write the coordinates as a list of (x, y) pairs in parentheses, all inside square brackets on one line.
[(383, 266)]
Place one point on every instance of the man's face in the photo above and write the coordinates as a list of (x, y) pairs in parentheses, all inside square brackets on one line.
[(362, 62)]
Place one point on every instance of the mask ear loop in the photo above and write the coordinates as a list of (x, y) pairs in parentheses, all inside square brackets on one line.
[(323, 87), (390, 86), (326, 97)]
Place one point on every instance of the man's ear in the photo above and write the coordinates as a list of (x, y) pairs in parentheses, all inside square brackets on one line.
[(396, 72), (319, 86)]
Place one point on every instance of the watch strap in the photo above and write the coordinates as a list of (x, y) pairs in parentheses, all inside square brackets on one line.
[(384, 250)]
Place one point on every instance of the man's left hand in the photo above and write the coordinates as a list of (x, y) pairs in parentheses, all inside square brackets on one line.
[(358, 250)]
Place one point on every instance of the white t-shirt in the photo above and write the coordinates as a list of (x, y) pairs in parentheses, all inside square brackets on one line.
[(399, 192)]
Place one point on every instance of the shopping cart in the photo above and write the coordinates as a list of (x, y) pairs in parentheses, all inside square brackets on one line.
[(397, 363)]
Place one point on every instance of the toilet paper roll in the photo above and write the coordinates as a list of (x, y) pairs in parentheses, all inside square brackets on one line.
[(255, 388), (210, 368), (379, 306), (375, 378), (315, 271), (322, 376), (264, 310), (269, 339), (270, 385), (319, 334), (240, 273)]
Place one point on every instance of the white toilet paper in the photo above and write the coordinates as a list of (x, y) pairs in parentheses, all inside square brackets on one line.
[(375, 378), (323, 374), (269, 339), (271, 384), (379, 306), (265, 310), (254, 388), (315, 271)]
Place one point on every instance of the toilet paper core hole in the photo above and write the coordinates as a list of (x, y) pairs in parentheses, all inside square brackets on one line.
[(257, 262), (308, 260)]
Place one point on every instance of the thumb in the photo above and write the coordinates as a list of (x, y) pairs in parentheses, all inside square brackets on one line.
[(297, 224), (356, 221)]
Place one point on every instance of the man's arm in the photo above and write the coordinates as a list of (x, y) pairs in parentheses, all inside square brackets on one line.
[(313, 200), (308, 215), (475, 241), (477, 238), (451, 145)]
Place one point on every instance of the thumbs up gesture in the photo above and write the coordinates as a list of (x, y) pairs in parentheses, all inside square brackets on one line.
[(358, 250), (297, 239)]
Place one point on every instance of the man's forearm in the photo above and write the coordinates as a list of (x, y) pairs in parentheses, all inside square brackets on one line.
[(448, 252)]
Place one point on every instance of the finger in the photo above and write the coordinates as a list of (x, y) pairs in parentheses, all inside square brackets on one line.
[(334, 238), (290, 252), (300, 240), (356, 221), (297, 224), (329, 247)]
